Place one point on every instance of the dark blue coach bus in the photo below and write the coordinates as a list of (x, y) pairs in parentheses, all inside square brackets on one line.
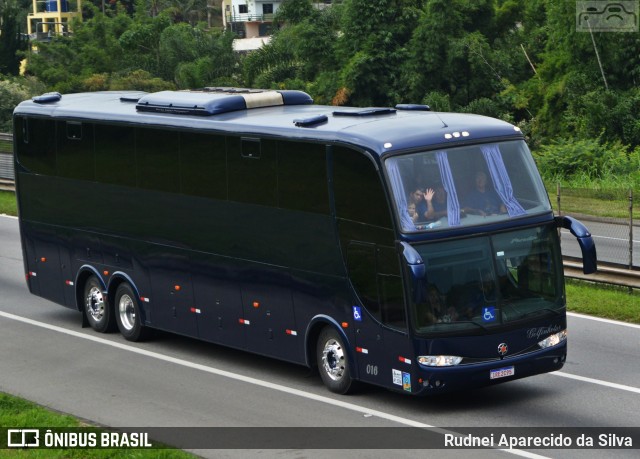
[(400, 247)]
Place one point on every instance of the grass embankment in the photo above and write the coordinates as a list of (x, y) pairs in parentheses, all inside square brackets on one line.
[(8, 203), (602, 300), (18, 413), (594, 200)]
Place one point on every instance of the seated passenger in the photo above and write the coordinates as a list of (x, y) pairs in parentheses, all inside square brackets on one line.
[(430, 205), (483, 200), (439, 312), (436, 203), (478, 294), (411, 208), (415, 204)]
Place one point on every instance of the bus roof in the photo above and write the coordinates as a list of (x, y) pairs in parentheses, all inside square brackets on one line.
[(380, 130)]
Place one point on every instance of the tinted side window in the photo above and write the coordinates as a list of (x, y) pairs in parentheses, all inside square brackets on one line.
[(115, 154), (157, 157), (203, 165), (252, 168), (75, 150), (361, 259), (37, 146), (302, 177), (358, 190)]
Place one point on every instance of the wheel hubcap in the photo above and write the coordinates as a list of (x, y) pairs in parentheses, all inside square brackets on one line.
[(127, 312), (333, 360), (95, 304)]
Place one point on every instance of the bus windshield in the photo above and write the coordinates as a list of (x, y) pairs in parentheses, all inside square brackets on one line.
[(489, 281), (465, 186)]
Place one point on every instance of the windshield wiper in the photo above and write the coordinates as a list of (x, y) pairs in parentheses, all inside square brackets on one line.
[(537, 311), (472, 322)]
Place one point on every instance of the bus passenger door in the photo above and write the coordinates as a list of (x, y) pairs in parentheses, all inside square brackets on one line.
[(383, 347)]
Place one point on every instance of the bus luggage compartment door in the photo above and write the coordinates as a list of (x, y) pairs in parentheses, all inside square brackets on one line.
[(44, 266), (267, 307), (172, 305), (217, 293)]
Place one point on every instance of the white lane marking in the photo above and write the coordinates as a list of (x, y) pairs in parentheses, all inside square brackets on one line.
[(635, 390), (600, 319), (257, 382), (605, 237)]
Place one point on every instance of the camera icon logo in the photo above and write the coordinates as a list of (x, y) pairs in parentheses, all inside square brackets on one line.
[(599, 16), (23, 438)]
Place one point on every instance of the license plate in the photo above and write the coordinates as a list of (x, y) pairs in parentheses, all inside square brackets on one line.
[(502, 372)]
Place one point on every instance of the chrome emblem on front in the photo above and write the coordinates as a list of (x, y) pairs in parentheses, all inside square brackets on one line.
[(503, 349)]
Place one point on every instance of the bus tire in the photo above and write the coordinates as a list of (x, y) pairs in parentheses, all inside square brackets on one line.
[(333, 362), (96, 308), (127, 312)]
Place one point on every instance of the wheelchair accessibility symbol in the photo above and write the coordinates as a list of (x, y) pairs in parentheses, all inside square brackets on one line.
[(489, 314), (357, 314)]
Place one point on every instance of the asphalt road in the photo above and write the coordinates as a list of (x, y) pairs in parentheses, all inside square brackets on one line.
[(46, 357), (612, 242)]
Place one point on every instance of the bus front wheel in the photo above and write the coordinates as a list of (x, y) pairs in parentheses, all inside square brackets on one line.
[(128, 315), (96, 308), (333, 362)]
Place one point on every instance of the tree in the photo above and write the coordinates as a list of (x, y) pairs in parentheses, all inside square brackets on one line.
[(300, 51), (573, 94), (450, 51), (141, 43), (12, 92), (94, 48), (373, 49), (193, 57), (11, 40), (294, 11)]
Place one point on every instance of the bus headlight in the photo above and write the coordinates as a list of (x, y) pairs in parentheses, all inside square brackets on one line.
[(553, 340), (439, 360)]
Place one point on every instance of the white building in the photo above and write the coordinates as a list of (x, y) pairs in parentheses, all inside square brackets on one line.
[(249, 18)]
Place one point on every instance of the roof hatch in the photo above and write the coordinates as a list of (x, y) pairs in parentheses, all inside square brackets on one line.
[(213, 101)]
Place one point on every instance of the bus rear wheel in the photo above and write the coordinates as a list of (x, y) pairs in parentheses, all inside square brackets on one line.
[(128, 315), (96, 307), (333, 362)]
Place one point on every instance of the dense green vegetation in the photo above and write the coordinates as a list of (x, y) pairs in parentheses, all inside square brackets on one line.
[(574, 94), (8, 204)]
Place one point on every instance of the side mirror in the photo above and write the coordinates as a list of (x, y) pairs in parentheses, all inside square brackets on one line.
[(585, 241), (413, 260), (414, 267)]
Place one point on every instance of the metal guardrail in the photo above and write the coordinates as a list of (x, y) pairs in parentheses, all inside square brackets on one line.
[(7, 185), (606, 274), (6, 162), (248, 17)]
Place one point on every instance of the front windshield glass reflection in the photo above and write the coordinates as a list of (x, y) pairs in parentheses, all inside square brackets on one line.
[(464, 186), (486, 282)]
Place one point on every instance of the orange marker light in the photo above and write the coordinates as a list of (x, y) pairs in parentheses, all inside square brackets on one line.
[(106, 273), (177, 288), (345, 324), (43, 260), (256, 304)]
